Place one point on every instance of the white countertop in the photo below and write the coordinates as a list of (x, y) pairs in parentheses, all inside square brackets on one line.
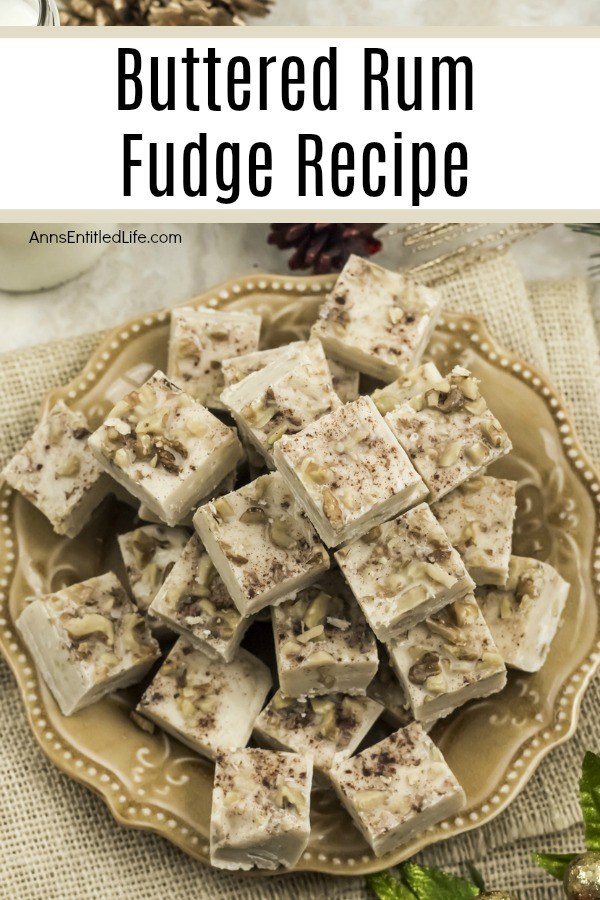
[(435, 12), (128, 280)]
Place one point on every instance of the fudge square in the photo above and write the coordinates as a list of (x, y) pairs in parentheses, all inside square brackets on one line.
[(87, 640), (223, 487), (348, 472), (149, 554), (324, 727), (194, 602), (260, 814), (207, 704), (282, 398), (323, 642), (449, 433), (447, 660), (345, 380), (397, 789), (377, 321), (524, 616), (407, 386), (200, 340), (403, 571), (261, 543), (478, 518), (56, 471), (165, 448)]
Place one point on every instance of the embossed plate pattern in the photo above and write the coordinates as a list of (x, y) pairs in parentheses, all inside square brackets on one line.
[(152, 781)]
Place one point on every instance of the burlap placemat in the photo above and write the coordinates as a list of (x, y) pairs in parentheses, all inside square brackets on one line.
[(58, 840)]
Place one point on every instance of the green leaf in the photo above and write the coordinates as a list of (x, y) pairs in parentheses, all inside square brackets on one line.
[(555, 864), (386, 887), (589, 796), (476, 877), (432, 884)]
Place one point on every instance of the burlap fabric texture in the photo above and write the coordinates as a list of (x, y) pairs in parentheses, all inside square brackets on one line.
[(59, 842)]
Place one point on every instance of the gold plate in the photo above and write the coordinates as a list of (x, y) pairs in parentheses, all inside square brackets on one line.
[(493, 746)]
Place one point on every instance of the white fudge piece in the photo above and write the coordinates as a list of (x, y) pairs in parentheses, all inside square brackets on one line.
[(348, 472), (207, 704), (165, 448), (194, 602), (407, 386), (149, 554), (478, 518), (261, 543), (447, 660), (377, 321), (56, 471), (87, 640), (323, 642), (345, 380), (260, 816), (282, 398), (324, 727), (403, 571), (397, 789), (228, 484), (200, 340), (449, 433), (524, 616)]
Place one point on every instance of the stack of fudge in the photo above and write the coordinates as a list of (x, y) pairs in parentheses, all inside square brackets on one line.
[(364, 526)]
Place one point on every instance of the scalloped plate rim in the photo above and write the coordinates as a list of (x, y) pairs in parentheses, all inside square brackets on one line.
[(251, 284)]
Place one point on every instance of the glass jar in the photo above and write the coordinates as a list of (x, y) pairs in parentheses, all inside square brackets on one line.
[(29, 12)]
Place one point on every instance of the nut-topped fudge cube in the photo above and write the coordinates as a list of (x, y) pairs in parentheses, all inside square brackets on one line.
[(165, 448), (377, 321), (478, 518), (207, 704), (260, 816), (261, 543), (200, 340), (345, 380), (56, 471), (324, 727), (403, 571), (87, 640), (323, 642), (149, 554), (348, 472), (523, 617), (397, 789), (282, 398), (194, 602), (449, 432), (223, 487), (407, 386), (447, 660)]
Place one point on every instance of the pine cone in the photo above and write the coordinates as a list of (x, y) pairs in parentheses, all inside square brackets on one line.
[(325, 247), (160, 12)]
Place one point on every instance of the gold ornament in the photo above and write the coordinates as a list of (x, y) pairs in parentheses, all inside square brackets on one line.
[(582, 878), (160, 12)]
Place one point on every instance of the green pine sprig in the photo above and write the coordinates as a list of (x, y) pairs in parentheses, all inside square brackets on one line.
[(556, 864), (415, 882)]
